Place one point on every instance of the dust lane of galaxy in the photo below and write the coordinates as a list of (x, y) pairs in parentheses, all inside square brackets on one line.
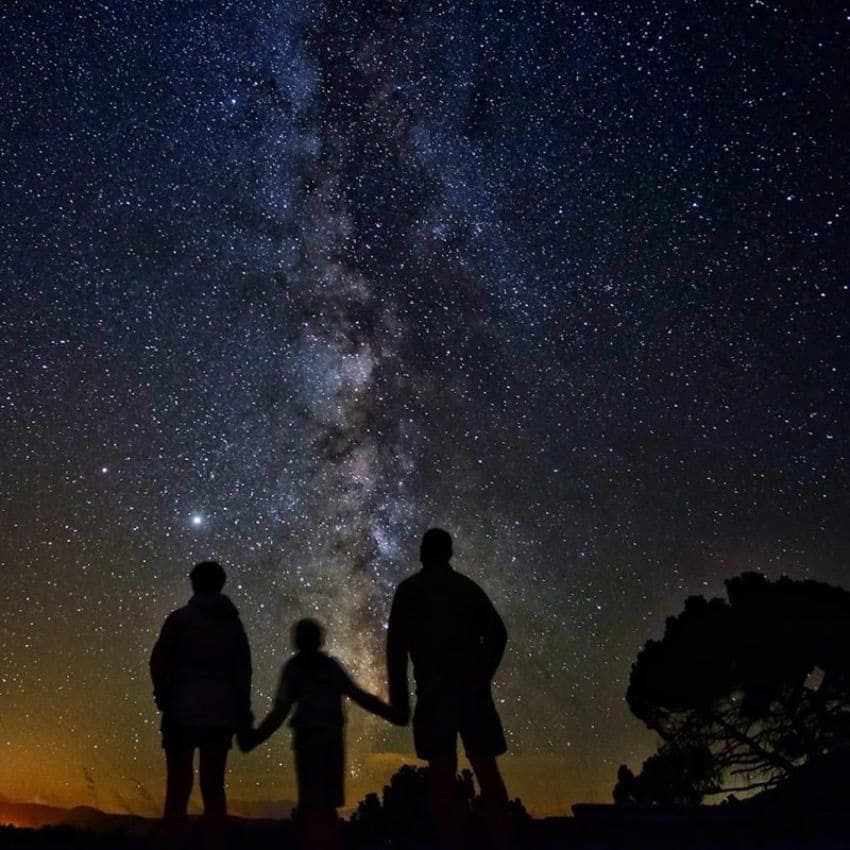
[(284, 284)]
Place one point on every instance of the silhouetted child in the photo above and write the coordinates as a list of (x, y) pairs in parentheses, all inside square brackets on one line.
[(314, 683)]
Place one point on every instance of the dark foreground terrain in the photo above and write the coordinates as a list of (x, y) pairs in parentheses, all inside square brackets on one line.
[(590, 830)]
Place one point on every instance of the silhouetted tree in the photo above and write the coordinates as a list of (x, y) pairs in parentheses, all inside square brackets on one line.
[(671, 777), (760, 683)]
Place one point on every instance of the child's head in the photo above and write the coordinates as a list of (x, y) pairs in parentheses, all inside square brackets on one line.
[(307, 635)]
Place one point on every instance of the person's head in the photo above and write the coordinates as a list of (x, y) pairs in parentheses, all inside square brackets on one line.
[(207, 577), (436, 547), (307, 635)]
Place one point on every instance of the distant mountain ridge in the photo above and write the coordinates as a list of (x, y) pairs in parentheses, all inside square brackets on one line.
[(37, 815)]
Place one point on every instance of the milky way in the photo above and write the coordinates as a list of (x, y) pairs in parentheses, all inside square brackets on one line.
[(284, 284)]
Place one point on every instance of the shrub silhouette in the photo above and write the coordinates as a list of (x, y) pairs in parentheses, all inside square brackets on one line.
[(401, 818)]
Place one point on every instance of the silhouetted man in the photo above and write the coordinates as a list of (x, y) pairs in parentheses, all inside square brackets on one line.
[(201, 671), (455, 639)]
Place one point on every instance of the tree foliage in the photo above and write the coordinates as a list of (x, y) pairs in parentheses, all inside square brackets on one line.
[(759, 684)]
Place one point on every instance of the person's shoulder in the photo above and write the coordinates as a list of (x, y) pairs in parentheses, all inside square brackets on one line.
[(315, 666), (289, 678), (337, 670), (329, 661), (411, 581), (290, 667), (407, 586), (467, 584), (301, 661), (463, 578), (293, 663), (222, 608), (178, 615)]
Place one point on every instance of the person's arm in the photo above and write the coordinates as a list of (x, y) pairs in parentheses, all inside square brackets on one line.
[(242, 682), (398, 646), (494, 638), (162, 662), (370, 702), (250, 738)]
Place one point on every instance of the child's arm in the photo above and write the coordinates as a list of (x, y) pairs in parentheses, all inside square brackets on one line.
[(271, 723), (372, 704)]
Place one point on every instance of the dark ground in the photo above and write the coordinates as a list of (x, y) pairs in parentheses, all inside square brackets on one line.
[(673, 832)]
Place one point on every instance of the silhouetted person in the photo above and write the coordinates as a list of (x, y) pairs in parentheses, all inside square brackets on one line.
[(314, 683), (455, 639), (201, 671)]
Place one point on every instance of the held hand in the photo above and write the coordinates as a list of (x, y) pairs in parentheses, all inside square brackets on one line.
[(246, 739), (399, 715)]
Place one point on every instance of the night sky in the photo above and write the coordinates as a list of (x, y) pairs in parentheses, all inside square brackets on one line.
[(286, 283)]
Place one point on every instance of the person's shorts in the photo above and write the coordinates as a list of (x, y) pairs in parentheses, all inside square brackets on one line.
[(443, 714), (180, 737), (319, 766)]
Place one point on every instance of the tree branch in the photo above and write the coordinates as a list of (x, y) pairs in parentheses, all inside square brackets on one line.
[(766, 784), (769, 757)]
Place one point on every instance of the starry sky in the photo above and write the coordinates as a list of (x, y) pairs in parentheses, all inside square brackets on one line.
[(286, 283)]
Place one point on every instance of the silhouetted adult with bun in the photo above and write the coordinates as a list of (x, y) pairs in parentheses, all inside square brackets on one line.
[(201, 671), (455, 639)]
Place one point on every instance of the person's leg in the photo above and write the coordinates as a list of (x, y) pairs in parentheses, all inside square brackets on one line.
[(322, 828), (178, 784), (319, 772), (213, 763), (446, 808), (494, 799)]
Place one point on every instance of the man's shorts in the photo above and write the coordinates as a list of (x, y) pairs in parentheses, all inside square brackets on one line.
[(319, 766), (441, 714), (182, 737)]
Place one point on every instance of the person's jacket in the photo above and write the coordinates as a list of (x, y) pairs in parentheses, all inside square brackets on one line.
[(201, 666), (450, 630)]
